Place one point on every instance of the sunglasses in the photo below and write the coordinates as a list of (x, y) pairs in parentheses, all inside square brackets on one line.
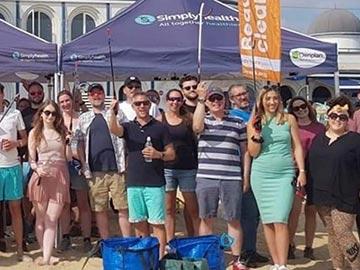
[(178, 99), (52, 113), (271, 88), (36, 93), (139, 103), (188, 88), (297, 108), (96, 93), (133, 86), (215, 97), (341, 117)]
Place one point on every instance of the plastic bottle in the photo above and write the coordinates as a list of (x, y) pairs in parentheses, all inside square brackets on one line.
[(148, 144)]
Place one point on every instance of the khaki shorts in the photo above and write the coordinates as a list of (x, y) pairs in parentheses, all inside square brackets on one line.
[(101, 184)]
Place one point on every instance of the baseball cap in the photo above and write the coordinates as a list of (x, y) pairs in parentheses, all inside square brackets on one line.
[(212, 90), (132, 80), (95, 86)]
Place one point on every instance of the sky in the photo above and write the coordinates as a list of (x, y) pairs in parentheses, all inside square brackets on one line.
[(298, 15)]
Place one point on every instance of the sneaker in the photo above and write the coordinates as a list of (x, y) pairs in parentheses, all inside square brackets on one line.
[(309, 253), (283, 267), (238, 265), (260, 258), (274, 267), (87, 246), (65, 244), (21, 257), (291, 252), (248, 259)]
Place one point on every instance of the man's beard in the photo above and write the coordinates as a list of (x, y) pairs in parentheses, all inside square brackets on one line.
[(191, 97)]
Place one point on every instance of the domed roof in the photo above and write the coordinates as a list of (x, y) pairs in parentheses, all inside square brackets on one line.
[(335, 21)]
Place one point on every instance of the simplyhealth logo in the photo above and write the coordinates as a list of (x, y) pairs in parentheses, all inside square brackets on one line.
[(30, 56), (145, 19)]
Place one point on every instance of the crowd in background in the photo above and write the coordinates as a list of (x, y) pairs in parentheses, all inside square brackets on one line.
[(258, 161)]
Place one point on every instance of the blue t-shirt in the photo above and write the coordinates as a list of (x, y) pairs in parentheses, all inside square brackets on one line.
[(101, 150), (242, 114)]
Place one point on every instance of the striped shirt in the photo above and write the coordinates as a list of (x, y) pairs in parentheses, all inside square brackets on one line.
[(219, 148)]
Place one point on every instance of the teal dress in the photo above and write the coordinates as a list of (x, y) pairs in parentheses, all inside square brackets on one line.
[(272, 173)]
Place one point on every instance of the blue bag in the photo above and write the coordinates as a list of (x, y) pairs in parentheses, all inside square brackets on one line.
[(209, 247), (130, 253)]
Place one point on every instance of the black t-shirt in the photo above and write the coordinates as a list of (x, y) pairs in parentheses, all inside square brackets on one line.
[(141, 173), (334, 172), (28, 117), (185, 146), (101, 150), (189, 108)]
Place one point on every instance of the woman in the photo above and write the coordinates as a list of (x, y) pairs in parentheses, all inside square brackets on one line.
[(182, 171), (309, 127), (272, 148), (334, 171), (48, 188), (78, 183)]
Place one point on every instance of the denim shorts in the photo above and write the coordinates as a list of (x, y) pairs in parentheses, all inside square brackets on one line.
[(11, 183), (184, 179), (210, 191), (146, 204)]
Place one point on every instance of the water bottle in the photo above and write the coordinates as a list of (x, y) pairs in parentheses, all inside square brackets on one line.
[(148, 144)]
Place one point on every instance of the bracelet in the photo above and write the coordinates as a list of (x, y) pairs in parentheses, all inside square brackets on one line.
[(256, 140), (302, 170)]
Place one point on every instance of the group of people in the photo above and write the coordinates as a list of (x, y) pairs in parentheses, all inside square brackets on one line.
[(255, 161)]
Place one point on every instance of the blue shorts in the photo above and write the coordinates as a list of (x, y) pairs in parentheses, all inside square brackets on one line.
[(11, 183), (146, 204), (185, 179)]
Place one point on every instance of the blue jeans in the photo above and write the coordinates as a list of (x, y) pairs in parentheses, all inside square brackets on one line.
[(250, 217)]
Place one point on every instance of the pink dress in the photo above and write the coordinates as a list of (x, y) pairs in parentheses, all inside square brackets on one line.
[(55, 187)]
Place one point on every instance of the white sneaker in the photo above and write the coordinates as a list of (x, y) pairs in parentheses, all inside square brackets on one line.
[(283, 267), (274, 267)]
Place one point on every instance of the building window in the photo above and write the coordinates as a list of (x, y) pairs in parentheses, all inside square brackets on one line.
[(39, 24), (2, 17), (81, 24)]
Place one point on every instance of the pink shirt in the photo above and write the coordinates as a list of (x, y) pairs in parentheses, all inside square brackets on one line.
[(308, 133), (354, 123)]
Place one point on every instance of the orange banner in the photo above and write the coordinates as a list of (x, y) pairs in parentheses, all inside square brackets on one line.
[(260, 38)]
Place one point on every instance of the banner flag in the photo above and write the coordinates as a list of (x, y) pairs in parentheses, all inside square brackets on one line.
[(260, 39)]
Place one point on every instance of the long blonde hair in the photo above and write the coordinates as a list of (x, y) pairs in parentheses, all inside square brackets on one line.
[(281, 116)]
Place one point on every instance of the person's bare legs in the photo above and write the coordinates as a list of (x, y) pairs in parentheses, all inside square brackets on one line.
[(294, 219), (40, 212), (310, 225), (170, 204), (188, 222), (17, 224), (159, 233), (53, 213), (281, 242), (124, 224), (192, 209), (206, 226), (141, 229), (85, 212), (269, 232), (102, 224), (235, 231)]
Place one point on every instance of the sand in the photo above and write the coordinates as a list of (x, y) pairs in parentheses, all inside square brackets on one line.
[(74, 259)]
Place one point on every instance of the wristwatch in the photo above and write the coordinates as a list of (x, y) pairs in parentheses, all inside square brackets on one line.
[(257, 140), (201, 100)]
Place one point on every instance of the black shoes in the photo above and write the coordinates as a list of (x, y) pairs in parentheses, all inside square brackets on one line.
[(309, 253), (291, 252), (251, 259)]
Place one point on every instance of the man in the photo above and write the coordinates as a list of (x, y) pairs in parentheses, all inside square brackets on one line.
[(250, 215), (11, 178), (132, 85), (188, 85), (145, 180), (221, 149), (104, 155)]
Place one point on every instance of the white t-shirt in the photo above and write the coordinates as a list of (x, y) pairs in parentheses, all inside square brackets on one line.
[(130, 113), (11, 124)]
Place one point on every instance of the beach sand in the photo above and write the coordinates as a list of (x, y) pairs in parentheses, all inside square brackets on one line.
[(74, 258)]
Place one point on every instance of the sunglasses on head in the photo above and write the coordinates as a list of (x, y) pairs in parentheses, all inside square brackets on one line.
[(188, 88), (215, 97), (297, 108), (139, 103), (271, 87), (52, 113), (178, 99), (341, 117)]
